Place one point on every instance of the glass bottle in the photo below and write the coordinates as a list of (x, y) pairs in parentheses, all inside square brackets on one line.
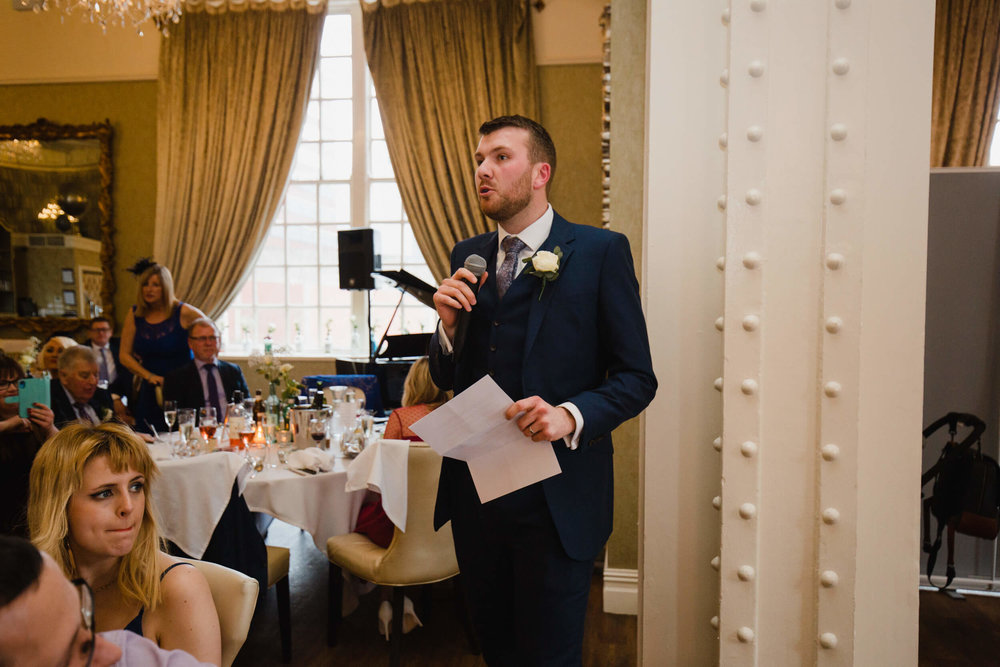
[(237, 421), (258, 407)]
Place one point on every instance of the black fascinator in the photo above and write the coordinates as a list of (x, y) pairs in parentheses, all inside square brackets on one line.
[(140, 266)]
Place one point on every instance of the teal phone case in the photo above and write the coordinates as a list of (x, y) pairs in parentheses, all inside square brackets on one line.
[(31, 391)]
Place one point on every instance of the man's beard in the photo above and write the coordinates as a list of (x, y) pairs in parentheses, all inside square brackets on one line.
[(506, 207)]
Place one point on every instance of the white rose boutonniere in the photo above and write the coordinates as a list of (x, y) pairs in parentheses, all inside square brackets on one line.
[(106, 414), (545, 265)]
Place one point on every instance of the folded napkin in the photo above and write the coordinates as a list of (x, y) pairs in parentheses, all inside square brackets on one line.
[(311, 458), (382, 467), (159, 450)]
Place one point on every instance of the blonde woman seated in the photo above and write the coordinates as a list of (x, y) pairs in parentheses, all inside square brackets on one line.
[(420, 396), (47, 362), (90, 508)]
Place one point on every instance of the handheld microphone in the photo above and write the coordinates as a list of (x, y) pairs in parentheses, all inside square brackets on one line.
[(476, 265)]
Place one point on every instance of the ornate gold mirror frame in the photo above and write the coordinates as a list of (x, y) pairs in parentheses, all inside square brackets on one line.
[(23, 145)]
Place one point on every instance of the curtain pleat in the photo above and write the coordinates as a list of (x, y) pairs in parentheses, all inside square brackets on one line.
[(966, 80), (233, 89), (440, 69)]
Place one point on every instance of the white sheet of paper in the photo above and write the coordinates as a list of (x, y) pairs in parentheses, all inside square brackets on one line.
[(471, 427)]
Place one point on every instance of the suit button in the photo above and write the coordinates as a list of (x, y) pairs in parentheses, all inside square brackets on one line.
[(496, 323), (490, 372), (493, 348)]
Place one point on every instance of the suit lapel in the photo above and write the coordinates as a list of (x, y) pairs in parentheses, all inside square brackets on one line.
[(560, 235)]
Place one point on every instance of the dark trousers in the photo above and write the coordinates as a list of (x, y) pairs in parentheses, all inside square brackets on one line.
[(528, 598)]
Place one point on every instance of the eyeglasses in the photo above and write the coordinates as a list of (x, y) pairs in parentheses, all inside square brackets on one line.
[(204, 339), (86, 615), (7, 384)]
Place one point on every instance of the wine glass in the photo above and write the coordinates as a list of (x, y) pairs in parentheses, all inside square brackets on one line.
[(207, 423), (170, 414), (317, 431)]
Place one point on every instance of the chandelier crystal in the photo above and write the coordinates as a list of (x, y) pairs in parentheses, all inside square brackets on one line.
[(123, 13)]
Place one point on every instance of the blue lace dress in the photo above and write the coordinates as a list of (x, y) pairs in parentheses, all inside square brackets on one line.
[(160, 348)]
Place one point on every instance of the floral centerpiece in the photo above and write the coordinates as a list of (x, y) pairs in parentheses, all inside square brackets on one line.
[(283, 389), (28, 355)]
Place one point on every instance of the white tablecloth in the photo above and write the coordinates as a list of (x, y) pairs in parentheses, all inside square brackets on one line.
[(191, 495), (382, 467)]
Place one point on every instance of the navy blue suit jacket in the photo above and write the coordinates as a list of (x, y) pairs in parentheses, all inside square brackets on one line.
[(122, 385), (63, 409), (586, 343), (184, 385)]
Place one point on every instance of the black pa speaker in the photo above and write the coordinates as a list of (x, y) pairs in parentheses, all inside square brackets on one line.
[(359, 256)]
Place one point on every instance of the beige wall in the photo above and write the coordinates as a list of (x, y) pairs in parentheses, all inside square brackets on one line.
[(131, 107)]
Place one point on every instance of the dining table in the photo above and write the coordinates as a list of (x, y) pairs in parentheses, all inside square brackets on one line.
[(193, 493)]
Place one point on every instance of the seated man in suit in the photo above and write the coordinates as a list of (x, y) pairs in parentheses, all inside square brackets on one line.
[(206, 380), (113, 375), (75, 394)]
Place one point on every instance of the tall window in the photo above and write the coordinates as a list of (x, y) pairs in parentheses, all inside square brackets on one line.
[(341, 178)]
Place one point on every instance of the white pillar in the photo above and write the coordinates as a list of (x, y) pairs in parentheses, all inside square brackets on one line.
[(825, 118)]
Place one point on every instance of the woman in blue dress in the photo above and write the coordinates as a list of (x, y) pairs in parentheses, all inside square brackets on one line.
[(154, 339)]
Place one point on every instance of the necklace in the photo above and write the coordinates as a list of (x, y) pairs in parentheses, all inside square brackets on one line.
[(104, 587)]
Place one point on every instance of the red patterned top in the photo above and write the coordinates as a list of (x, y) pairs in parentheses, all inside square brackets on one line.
[(398, 426)]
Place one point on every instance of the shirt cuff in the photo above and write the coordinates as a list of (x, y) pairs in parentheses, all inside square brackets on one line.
[(574, 441), (444, 341)]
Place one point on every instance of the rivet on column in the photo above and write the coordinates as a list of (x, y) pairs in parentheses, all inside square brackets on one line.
[(834, 261), (830, 452), (842, 4), (748, 448), (758, 5), (718, 384), (829, 579), (720, 323), (834, 324), (756, 69), (715, 563), (753, 196), (715, 622), (828, 640), (751, 260), (755, 133), (751, 322), (745, 635), (749, 387), (831, 516), (841, 66), (721, 202), (832, 389), (838, 197), (745, 573), (717, 502), (838, 132), (720, 263), (725, 16), (747, 511), (723, 140), (717, 444), (724, 78)]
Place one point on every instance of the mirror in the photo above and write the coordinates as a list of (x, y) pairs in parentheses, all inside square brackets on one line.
[(56, 248)]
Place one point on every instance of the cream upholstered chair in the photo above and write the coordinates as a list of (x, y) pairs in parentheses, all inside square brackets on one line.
[(235, 597), (416, 557), (278, 559)]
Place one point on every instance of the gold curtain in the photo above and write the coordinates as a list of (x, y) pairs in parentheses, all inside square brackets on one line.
[(233, 89), (966, 79), (441, 68)]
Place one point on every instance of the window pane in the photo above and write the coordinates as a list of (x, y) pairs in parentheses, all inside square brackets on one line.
[(411, 251), (245, 295), (300, 202), (335, 120), (306, 164), (381, 167), (270, 321), (375, 130), (330, 293), (335, 202), (336, 36), (390, 244), (335, 78), (337, 158), (328, 244), (270, 286), (338, 322), (302, 286), (384, 202), (304, 338), (310, 125), (301, 241), (273, 253)]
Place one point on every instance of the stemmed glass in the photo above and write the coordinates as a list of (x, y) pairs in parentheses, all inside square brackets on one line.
[(207, 423), (185, 427), (170, 414), (317, 431)]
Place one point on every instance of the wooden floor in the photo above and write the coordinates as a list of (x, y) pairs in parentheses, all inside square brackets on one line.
[(610, 640), (952, 632)]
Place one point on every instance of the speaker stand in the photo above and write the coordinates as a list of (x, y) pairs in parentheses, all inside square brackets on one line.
[(371, 348)]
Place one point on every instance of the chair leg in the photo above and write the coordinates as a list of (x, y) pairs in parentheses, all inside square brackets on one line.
[(396, 635), (335, 596), (465, 614), (284, 619)]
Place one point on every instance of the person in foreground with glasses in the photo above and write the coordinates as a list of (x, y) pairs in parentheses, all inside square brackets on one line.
[(48, 621), (20, 439), (90, 509)]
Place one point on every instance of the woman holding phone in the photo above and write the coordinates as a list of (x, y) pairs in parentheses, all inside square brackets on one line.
[(20, 440)]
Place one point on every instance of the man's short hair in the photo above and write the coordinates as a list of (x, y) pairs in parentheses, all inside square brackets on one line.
[(540, 146), (71, 355), (20, 568), (98, 320), (202, 322)]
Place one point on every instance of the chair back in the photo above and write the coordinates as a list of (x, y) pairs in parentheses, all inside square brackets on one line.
[(235, 597), (420, 555)]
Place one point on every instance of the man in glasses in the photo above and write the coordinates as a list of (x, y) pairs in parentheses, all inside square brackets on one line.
[(113, 375), (48, 621), (205, 381)]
